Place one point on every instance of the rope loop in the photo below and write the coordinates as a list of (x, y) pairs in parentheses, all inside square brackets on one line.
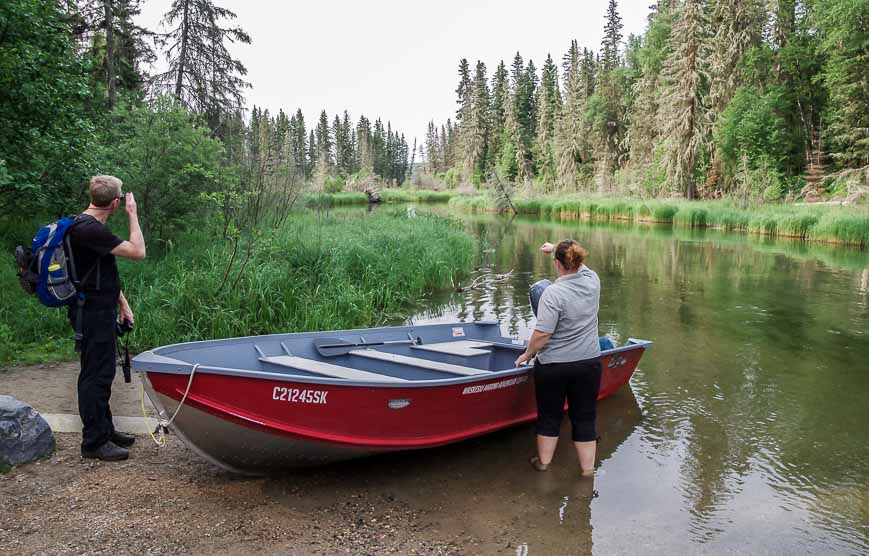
[(159, 434)]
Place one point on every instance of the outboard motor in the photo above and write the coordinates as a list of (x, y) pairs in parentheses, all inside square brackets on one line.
[(535, 292)]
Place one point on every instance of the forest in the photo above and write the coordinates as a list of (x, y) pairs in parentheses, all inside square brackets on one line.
[(742, 98), (76, 99)]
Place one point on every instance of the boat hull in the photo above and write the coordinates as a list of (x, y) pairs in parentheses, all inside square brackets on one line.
[(258, 424)]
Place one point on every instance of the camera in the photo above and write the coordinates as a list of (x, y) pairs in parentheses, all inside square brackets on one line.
[(122, 327)]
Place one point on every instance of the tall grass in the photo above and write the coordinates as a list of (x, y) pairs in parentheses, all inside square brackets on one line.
[(832, 224), (316, 273), (386, 195)]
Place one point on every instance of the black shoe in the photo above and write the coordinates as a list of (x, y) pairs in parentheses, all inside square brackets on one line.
[(107, 452), (122, 439)]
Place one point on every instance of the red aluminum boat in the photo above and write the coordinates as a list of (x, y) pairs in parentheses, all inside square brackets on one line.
[(291, 400)]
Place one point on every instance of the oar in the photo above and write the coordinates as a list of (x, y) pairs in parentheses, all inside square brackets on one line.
[(330, 347)]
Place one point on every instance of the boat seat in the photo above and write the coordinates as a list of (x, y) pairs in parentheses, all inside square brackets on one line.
[(417, 362), (328, 369), (463, 348)]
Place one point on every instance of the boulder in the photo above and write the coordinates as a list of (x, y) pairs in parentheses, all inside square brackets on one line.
[(24, 434)]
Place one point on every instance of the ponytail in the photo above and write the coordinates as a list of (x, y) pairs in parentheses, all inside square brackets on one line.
[(570, 254)]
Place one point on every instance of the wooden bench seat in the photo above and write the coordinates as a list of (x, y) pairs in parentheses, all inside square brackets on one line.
[(462, 348), (417, 362), (327, 369)]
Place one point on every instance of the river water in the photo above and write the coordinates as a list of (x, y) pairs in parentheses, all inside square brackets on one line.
[(744, 430)]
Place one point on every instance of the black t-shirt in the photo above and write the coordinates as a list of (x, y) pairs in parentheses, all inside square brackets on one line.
[(92, 241)]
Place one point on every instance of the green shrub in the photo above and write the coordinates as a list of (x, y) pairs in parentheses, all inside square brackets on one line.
[(334, 184)]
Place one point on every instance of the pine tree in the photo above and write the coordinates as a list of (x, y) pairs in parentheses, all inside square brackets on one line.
[(202, 74), (323, 134), (683, 113)]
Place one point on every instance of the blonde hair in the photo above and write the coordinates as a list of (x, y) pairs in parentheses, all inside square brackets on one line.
[(570, 254), (104, 189)]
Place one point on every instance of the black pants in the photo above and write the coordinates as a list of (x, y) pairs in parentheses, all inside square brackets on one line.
[(98, 366), (579, 383)]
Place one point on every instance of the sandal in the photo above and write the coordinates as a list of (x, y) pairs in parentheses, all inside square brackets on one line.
[(537, 464)]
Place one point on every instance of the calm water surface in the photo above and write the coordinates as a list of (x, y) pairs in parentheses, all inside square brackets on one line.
[(746, 427)]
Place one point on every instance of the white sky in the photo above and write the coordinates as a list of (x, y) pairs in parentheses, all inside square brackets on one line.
[(396, 59)]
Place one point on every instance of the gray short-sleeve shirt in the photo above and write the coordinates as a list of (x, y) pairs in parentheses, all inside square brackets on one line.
[(568, 310)]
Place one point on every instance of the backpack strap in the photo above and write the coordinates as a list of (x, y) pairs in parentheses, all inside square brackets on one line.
[(80, 298)]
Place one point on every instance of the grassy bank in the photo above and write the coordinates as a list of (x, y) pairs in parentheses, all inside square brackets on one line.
[(386, 195), (313, 274), (832, 224)]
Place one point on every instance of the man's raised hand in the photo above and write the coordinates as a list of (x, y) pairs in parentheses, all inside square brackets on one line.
[(130, 204)]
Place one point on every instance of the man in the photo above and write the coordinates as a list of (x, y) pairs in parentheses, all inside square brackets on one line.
[(94, 248)]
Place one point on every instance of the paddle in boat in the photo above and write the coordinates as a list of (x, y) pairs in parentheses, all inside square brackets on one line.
[(280, 401)]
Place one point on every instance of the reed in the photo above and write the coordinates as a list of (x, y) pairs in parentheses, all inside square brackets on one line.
[(315, 273), (833, 224), (394, 195)]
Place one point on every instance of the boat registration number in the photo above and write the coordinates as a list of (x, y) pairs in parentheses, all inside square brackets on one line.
[(294, 395)]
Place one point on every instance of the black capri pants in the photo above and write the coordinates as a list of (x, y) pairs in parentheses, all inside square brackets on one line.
[(579, 383)]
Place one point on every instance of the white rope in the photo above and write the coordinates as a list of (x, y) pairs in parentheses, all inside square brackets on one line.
[(163, 424)]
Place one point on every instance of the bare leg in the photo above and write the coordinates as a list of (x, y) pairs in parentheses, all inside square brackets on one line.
[(546, 448), (586, 452)]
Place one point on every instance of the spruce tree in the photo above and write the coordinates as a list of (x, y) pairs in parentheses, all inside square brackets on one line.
[(846, 45), (202, 74), (549, 111), (299, 153), (612, 37), (364, 147), (323, 133), (642, 135), (571, 137), (683, 113), (498, 114), (475, 124), (463, 91)]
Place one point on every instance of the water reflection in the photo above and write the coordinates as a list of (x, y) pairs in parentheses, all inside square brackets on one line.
[(486, 487), (754, 436)]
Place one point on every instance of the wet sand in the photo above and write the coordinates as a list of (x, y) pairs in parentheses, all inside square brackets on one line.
[(476, 497)]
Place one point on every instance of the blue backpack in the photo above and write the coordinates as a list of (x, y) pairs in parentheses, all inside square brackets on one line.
[(48, 269)]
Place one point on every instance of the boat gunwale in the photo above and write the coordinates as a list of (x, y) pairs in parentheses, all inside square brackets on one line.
[(145, 363)]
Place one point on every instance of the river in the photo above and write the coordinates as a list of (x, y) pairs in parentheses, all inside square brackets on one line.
[(744, 430)]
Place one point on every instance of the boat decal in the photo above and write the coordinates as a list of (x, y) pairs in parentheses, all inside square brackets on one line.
[(617, 361), (494, 385), (296, 395), (398, 404), (458, 332)]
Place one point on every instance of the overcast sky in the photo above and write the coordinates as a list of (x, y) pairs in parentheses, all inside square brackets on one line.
[(395, 59)]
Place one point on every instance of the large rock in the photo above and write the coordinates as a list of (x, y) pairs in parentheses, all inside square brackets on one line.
[(24, 434)]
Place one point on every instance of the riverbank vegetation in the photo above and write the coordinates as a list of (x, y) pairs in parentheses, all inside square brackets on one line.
[(831, 224), (316, 272), (221, 189), (722, 99)]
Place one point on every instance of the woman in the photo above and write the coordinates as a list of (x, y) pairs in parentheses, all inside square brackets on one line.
[(565, 344)]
